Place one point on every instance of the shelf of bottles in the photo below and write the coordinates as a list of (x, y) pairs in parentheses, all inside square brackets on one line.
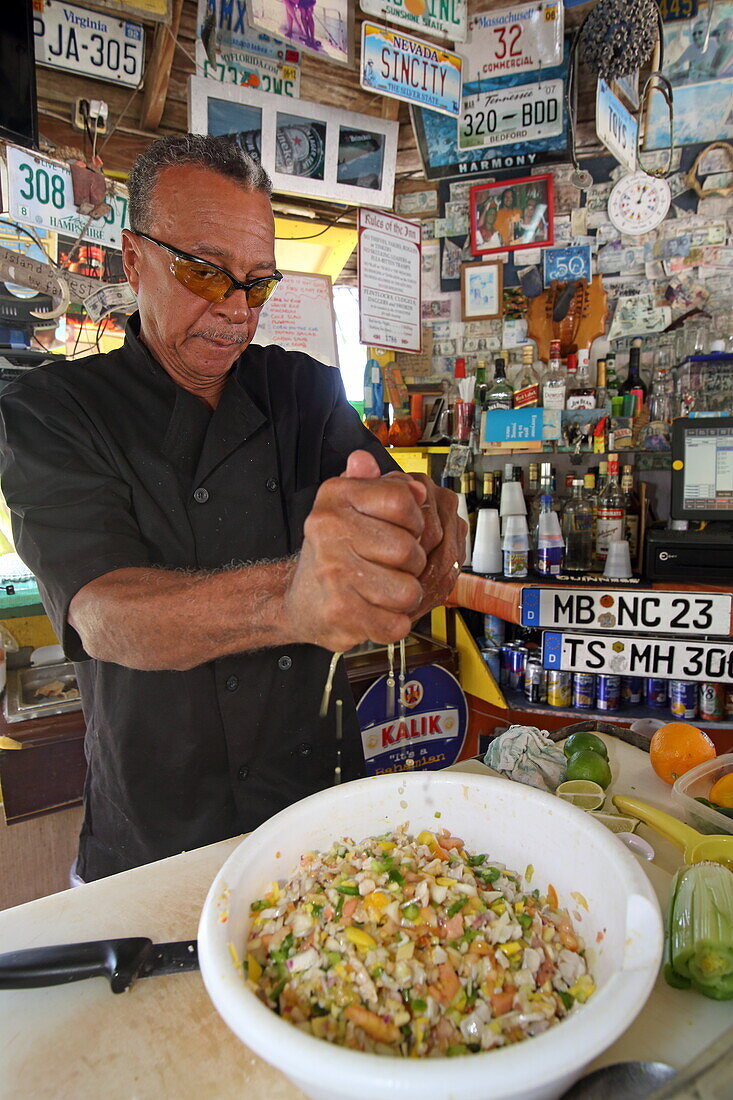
[(610, 412)]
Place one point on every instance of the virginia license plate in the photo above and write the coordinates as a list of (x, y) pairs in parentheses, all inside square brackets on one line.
[(522, 113), (82, 41)]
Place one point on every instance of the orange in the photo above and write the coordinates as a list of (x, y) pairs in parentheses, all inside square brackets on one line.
[(721, 792), (677, 747)]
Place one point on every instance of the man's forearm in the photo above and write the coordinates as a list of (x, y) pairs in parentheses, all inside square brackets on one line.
[(154, 619)]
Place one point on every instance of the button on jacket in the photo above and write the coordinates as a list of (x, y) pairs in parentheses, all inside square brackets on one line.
[(108, 464)]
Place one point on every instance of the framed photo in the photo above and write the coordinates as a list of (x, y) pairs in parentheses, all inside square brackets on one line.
[(321, 27), (320, 152), (511, 215), (482, 287)]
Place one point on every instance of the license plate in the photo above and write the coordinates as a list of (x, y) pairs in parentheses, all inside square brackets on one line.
[(513, 40), (522, 113), (571, 262), (86, 42), (666, 658), (40, 193), (615, 126), (608, 609)]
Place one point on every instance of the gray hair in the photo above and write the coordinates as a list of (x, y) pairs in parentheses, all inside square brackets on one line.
[(219, 154)]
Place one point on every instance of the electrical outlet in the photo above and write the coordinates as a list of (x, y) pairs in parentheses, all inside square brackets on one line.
[(91, 110)]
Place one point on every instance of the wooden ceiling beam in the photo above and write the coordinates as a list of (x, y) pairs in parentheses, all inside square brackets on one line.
[(158, 70)]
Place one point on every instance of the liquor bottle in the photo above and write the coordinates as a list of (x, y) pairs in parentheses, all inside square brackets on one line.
[(465, 515), (632, 507), (655, 435), (534, 505), (611, 513), (577, 529), (613, 384), (527, 388), (601, 384), (487, 491), (601, 479), (591, 499), (580, 394), (481, 387), (500, 393), (533, 480), (550, 544), (554, 380), (472, 498), (634, 383)]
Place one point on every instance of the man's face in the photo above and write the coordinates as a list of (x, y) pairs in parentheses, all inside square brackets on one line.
[(213, 218)]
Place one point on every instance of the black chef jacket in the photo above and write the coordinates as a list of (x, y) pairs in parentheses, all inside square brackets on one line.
[(108, 464)]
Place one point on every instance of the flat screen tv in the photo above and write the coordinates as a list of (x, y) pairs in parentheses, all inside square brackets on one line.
[(18, 114)]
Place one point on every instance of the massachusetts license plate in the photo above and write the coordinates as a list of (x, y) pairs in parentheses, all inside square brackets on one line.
[(522, 113), (86, 42)]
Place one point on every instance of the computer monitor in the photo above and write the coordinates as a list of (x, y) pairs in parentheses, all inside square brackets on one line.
[(702, 468)]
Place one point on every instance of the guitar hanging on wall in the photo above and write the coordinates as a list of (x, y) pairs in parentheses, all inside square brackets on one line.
[(574, 313)]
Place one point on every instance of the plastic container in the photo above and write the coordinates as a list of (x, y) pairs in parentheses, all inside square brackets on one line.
[(696, 783), (518, 825)]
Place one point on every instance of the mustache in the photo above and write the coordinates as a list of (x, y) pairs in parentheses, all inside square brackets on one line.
[(232, 336)]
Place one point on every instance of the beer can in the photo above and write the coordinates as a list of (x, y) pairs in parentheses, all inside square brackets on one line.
[(683, 698), (608, 692), (631, 690), (506, 654), (655, 692), (535, 681), (494, 629), (559, 688), (712, 701), (584, 690), (492, 656), (729, 700), (518, 664)]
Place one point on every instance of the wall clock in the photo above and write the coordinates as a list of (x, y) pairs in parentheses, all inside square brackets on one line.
[(638, 203)]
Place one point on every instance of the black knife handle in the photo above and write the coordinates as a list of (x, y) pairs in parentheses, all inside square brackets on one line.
[(119, 960)]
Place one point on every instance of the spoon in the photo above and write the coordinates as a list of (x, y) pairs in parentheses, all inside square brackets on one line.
[(697, 847), (622, 1081)]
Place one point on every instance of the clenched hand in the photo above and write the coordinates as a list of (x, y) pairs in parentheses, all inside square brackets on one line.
[(378, 552)]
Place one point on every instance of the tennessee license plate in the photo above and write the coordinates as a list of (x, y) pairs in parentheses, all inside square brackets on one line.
[(87, 42), (522, 113)]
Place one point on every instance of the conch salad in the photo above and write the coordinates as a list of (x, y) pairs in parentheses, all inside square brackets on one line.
[(414, 946)]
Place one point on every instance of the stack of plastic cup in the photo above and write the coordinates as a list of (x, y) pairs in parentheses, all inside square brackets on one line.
[(512, 502), (618, 560), (487, 542)]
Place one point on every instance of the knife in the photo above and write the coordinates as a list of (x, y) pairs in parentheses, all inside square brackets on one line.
[(122, 961)]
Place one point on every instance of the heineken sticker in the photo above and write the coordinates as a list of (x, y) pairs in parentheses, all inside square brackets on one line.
[(406, 68), (426, 728)]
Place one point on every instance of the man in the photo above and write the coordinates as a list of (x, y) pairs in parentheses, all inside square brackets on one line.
[(159, 493)]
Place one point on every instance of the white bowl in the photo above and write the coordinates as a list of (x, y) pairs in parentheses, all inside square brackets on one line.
[(516, 825)]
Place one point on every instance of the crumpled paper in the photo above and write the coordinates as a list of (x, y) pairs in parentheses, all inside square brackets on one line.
[(528, 755)]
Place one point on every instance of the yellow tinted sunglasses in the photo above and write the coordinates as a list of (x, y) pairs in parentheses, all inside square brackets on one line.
[(211, 282)]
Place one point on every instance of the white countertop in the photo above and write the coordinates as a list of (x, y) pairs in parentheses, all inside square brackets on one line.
[(163, 1039)]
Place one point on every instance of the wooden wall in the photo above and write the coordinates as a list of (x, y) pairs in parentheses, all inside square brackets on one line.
[(332, 85)]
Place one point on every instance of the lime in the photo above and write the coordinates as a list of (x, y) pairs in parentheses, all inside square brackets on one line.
[(578, 741), (588, 764), (616, 823), (582, 793)]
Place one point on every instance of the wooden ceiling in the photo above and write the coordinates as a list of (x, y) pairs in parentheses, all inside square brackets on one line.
[(160, 106)]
